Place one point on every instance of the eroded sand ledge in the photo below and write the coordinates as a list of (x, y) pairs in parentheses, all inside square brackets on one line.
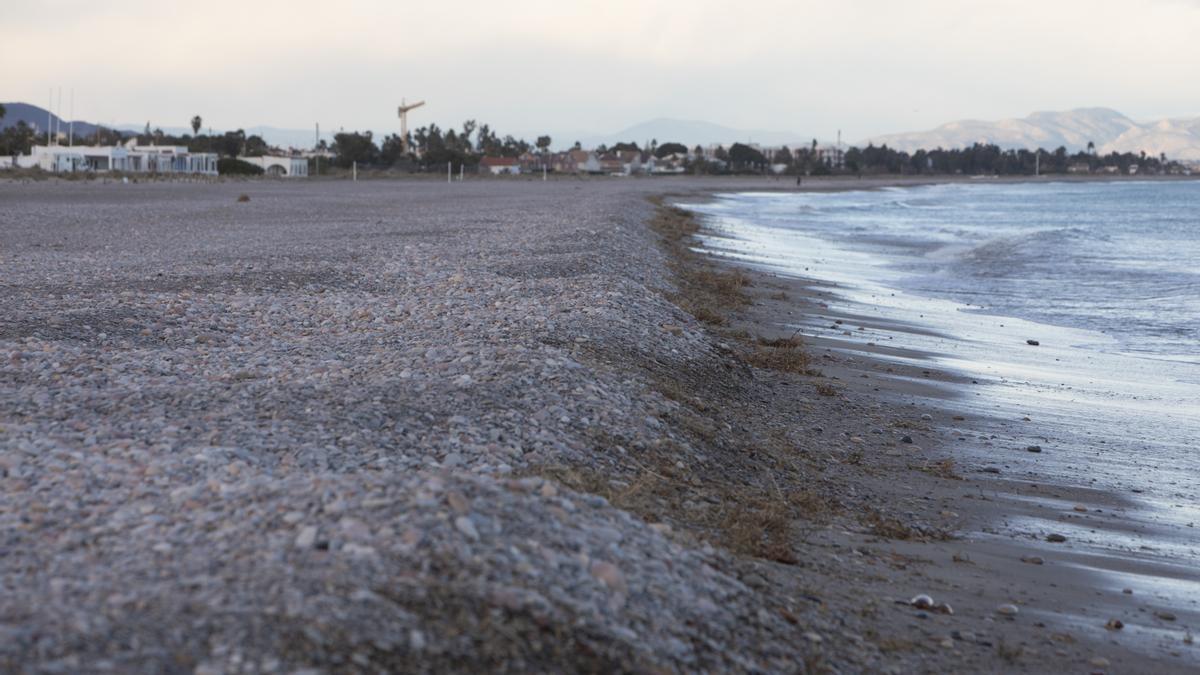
[(414, 426)]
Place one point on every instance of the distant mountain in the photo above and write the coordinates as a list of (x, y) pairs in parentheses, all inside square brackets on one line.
[(690, 133), (36, 118), (1074, 129)]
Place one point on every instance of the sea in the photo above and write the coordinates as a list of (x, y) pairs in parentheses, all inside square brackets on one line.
[(1103, 276)]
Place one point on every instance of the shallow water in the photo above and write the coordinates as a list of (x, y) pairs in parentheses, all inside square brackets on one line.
[(1105, 276)]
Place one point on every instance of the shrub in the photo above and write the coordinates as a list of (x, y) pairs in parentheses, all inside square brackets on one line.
[(228, 166)]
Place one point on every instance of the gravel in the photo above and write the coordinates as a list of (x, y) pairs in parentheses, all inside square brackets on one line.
[(301, 432)]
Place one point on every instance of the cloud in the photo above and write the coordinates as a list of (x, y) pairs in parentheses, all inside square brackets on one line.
[(873, 66)]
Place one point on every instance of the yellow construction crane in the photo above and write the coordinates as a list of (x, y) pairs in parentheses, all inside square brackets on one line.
[(403, 111)]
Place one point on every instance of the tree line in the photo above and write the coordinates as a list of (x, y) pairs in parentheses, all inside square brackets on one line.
[(431, 147)]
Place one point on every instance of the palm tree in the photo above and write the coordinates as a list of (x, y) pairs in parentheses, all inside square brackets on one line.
[(196, 122), (1091, 148), (2, 112)]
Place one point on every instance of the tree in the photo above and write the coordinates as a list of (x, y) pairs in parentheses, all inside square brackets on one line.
[(3, 112), (670, 149), (630, 146), (391, 151), (17, 139), (577, 146), (354, 147), (196, 122), (745, 157), (543, 143), (256, 146), (1091, 148), (230, 143)]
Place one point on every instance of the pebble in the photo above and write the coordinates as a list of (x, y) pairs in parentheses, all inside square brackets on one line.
[(610, 575), (1056, 538), (463, 524), (1033, 448), (1007, 610), (921, 601), (307, 537)]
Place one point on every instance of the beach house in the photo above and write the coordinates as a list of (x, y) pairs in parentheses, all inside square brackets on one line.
[(128, 158), (284, 166), (496, 166)]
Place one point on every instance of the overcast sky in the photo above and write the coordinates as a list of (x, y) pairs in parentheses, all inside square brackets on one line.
[(574, 66)]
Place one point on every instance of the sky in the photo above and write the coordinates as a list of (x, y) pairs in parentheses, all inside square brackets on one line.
[(577, 67)]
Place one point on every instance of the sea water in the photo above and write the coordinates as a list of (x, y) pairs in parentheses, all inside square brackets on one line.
[(1104, 276)]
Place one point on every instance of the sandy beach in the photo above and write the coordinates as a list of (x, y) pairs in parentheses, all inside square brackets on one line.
[(508, 425)]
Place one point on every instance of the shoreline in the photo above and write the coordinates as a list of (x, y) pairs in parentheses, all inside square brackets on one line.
[(404, 426), (992, 556)]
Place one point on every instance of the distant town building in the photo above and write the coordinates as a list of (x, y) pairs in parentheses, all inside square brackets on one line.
[(128, 158), (276, 165), (833, 156), (499, 165), (577, 161)]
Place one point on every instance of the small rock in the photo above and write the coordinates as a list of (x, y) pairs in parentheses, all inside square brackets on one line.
[(1032, 342), (813, 637), (906, 439), (1056, 538), (1099, 662), (1033, 448), (947, 643), (307, 537), (1114, 624), (1032, 559), (1127, 591), (990, 469), (465, 526), (609, 575), (921, 601), (1007, 609), (458, 502), (1081, 508), (1165, 616)]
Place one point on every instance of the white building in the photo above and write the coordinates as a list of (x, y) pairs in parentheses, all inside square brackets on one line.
[(127, 158), (274, 165)]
